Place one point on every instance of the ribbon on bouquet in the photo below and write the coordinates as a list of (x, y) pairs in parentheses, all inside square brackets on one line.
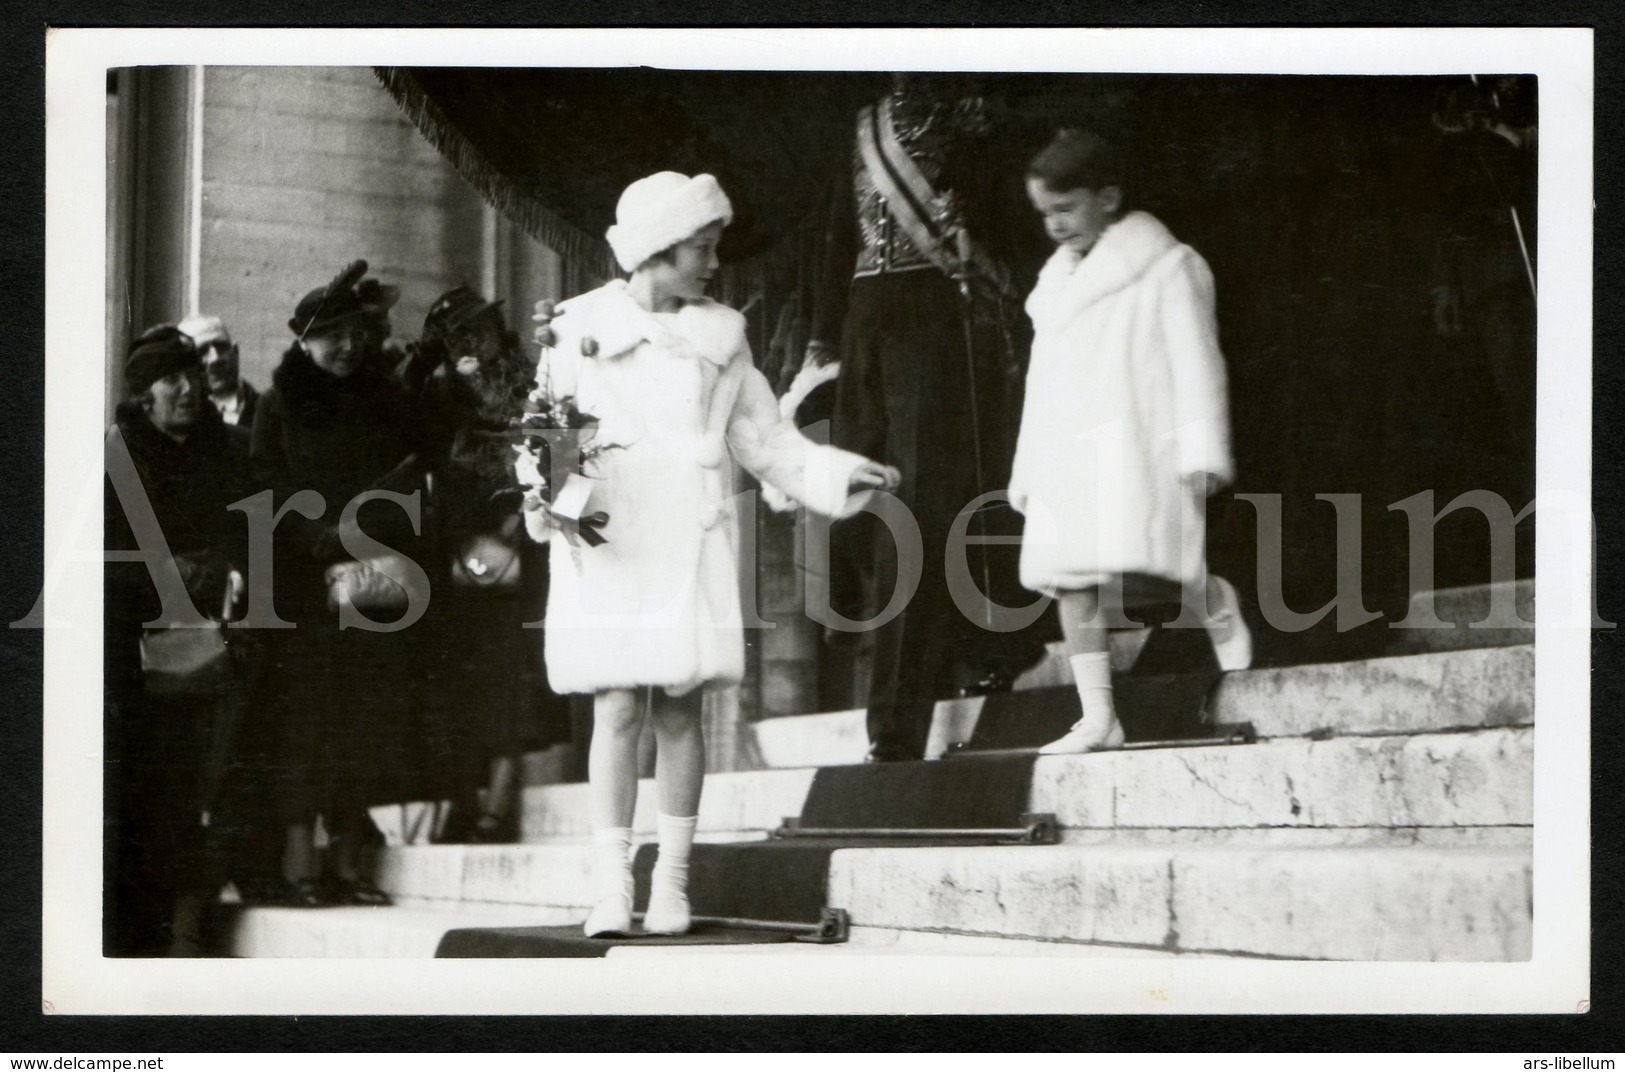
[(583, 530), (568, 510)]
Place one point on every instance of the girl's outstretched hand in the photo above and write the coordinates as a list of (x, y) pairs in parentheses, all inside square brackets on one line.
[(874, 476), (542, 334)]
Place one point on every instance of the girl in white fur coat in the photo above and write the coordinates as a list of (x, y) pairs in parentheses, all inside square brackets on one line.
[(668, 374), (1125, 431)]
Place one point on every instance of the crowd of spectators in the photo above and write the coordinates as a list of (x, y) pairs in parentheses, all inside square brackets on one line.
[(275, 666)]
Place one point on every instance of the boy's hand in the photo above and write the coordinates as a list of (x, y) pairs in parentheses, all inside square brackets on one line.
[(1206, 485), (874, 476), (818, 354), (542, 334)]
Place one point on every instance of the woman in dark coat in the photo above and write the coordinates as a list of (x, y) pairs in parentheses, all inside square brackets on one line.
[(486, 687), (335, 421), (172, 463)]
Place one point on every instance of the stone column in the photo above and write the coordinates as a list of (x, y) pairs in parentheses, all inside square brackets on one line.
[(149, 206)]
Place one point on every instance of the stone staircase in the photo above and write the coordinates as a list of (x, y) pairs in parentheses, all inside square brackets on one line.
[(1385, 813)]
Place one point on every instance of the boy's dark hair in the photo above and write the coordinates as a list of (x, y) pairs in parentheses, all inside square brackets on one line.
[(1078, 159)]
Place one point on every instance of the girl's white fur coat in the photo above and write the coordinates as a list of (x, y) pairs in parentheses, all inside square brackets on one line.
[(659, 603), (1125, 396)]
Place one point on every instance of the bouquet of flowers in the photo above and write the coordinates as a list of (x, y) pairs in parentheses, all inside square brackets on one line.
[(553, 428)]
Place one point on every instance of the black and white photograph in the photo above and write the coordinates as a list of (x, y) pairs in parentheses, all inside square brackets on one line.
[(824, 521)]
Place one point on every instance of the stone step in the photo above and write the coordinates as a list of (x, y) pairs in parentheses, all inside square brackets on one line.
[(1485, 778), (836, 738), (734, 802), (1429, 692), (1462, 609), (397, 931), (1443, 691), (1476, 778), (881, 941), (538, 877), (558, 877), (1453, 904), (1377, 903), (415, 931)]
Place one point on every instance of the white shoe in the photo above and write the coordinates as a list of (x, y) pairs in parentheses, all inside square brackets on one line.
[(668, 913), (1227, 629), (610, 918), (1086, 738)]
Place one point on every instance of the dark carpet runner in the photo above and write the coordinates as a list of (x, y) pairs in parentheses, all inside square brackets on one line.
[(504, 942), (1166, 708), (788, 880), (1163, 697)]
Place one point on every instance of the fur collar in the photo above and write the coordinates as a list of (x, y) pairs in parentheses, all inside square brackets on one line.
[(617, 323), (1070, 283), (311, 393), (147, 442)]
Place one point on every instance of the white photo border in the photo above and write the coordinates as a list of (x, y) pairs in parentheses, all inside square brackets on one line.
[(77, 979)]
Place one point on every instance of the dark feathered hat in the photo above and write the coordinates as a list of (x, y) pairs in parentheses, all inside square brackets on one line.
[(333, 305), (455, 309)]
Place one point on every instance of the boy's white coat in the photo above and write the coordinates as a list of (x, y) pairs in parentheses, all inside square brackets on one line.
[(1126, 394)]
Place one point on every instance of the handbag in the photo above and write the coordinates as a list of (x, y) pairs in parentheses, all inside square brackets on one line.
[(181, 661), (486, 561), (366, 584)]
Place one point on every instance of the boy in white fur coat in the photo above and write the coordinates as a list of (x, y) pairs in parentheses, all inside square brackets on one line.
[(1125, 431), (668, 374)]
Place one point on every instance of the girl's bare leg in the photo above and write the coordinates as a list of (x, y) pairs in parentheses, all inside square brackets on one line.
[(612, 760), (612, 778), (679, 751), (679, 776)]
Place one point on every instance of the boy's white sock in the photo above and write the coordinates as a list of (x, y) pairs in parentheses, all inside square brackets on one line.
[(1092, 671)]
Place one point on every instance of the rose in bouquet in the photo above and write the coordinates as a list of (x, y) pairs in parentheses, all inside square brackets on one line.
[(557, 445)]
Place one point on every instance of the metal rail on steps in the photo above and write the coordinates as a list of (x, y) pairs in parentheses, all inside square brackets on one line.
[(833, 926), (1230, 733), (1036, 829)]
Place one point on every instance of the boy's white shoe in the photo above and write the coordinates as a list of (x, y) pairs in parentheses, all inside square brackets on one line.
[(1085, 737), (1227, 629), (668, 912), (610, 917)]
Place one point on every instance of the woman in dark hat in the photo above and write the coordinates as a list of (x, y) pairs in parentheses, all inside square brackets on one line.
[(335, 421), (487, 694), (183, 469)]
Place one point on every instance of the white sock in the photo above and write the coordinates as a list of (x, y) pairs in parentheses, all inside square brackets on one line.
[(671, 866), (614, 859), (1092, 671)]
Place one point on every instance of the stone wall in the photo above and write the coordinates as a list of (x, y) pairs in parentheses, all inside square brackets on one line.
[(305, 169)]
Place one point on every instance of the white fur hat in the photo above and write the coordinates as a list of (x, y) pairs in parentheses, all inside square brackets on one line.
[(659, 211)]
